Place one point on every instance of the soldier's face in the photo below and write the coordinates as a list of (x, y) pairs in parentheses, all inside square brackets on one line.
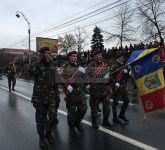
[(73, 58), (121, 59), (47, 56), (98, 57)]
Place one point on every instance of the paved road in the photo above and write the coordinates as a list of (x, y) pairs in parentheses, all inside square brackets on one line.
[(18, 131)]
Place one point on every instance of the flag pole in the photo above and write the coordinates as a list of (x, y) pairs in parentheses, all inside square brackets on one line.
[(128, 64)]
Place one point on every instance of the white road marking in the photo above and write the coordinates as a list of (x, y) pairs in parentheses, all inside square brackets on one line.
[(108, 131)]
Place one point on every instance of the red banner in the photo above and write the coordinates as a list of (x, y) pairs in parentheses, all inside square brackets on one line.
[(154, 101)]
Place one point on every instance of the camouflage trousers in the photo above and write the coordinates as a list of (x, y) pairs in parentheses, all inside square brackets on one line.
[(44, 117), (94, 102), (57, 98), (117, 93), (76, 110), (11, 81)]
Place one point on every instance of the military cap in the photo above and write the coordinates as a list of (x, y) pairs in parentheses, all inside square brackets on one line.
[(96, 52), (119, 55), (44, 49), (72, 52)]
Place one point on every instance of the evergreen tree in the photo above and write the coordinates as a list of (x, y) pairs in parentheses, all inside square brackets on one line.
[(97, 39)]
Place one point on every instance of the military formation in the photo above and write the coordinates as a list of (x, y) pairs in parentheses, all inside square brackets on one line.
[(100, 80)]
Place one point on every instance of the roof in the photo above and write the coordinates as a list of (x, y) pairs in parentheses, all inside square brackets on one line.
[(15, 51)]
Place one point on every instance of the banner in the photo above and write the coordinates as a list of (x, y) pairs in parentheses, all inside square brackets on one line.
[(148, 75), (51, 43), (140, 53), (18, 73)]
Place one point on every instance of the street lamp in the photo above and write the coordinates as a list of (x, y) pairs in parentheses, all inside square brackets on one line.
[(29, 28)]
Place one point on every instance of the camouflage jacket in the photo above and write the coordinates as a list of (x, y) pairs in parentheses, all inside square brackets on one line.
[(122, 78), (98, 84), (78, 83), (45, 87)]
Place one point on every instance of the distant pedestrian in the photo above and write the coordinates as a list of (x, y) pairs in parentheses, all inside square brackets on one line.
[(11, 75)]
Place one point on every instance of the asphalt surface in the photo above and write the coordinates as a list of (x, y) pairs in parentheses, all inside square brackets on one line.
[(18, 128)]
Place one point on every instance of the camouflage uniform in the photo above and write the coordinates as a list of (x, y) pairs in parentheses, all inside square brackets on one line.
[(44, 96), (11, 75), (75, 101), (98, 92), (119, 92)]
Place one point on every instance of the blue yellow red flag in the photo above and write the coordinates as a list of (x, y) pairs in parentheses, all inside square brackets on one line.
[(148, 75)]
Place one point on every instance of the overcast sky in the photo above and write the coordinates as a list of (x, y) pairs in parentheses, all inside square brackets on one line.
[(42, 15), (46, 14)]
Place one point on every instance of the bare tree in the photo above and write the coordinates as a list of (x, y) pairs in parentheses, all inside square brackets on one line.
[(123, 28), (81, 38), (151, 16), (67, 42)]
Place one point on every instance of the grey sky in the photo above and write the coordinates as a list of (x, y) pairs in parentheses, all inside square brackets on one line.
[(42, 14), (45, 14)]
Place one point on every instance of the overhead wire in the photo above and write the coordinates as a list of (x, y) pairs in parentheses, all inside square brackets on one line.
[(79, 18), (90, 23), (73, 21), (73, 15)]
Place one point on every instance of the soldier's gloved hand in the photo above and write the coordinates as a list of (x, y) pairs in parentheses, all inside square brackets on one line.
[(130, 73), (81, 69), (125, 71), (117, 84), (58, 69), (88, 86), (70, 88), (106, 76)]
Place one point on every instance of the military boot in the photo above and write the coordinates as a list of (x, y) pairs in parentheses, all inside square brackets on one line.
[(79, 128), (50, 138), (94, 123), (122, 117), (13, 88), (98, 109), (122, 112), (42, 143), (115, 118), (56, 121), (73, 132), (106, 123)]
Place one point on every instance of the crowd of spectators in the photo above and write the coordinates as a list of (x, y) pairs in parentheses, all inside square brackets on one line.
[(127, 50), (85, 57)]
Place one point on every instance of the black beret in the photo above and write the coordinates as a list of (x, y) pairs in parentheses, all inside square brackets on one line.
[(44, 49), (72, 52), (119, 55)]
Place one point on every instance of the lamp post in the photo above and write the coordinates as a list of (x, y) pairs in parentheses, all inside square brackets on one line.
[(29, 28)]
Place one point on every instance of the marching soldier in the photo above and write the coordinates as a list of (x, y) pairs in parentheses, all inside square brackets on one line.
[(44, 96), (98, 78), (11, 75), (74, 89), (119, 80)]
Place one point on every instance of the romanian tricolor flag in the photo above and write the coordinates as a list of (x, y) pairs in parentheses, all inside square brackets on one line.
[(18, 73), (148, 75)]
